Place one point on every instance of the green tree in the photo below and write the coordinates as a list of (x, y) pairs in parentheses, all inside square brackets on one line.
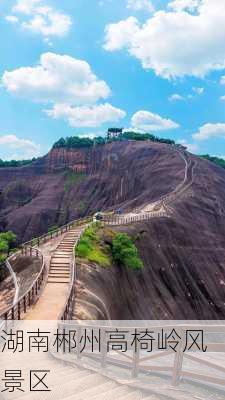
[(125, 252), (4, 246), (7, 240), (215, 160), (8, 237)]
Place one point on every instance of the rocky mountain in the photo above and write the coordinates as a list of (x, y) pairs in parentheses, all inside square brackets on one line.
[(66, 184), (184, 255)]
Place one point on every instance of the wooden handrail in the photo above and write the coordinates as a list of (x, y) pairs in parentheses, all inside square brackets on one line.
[(67, 312), (32, 294), (30, 297)]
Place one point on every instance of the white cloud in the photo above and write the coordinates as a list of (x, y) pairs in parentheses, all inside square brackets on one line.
[(147, 121), (175, 43), (26, 6), (57, 79), (69, 86), (222, 98), (176, 97), (25, 148), (86, 116), (11, 18), (48, 22), (119, 35), (198, 90), (138, 5), (181, 5), (209, 131), (37, 17), (192, 147), (222, 80)]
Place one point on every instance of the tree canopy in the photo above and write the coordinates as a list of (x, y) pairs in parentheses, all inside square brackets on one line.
[(15, 163), (125, 252), (81, 142), (7, 241), (215, 160)]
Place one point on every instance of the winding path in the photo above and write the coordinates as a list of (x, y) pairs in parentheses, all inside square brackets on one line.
[(163, 206)]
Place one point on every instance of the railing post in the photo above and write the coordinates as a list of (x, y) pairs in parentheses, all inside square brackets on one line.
[(136, 356), (78, 343), (24, 305), (104, 350), (178, 361), (19, 310)]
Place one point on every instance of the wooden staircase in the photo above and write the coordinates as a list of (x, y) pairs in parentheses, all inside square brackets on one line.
[(60, 263)]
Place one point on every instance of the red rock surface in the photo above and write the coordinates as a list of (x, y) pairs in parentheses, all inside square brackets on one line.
[(184, 256)]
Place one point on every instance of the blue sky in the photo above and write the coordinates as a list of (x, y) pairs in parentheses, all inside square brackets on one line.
[(78, 67)]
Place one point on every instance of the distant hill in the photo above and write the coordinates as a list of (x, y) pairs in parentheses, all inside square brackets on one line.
[(15, 163)]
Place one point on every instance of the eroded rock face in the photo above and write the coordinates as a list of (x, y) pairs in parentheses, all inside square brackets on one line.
[(65, 185), (59, 159), (184, 261), (184, 256)]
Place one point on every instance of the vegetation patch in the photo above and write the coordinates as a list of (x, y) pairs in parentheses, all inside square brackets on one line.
[(7, 242), (92, 248), (81, 206), (103, 246), (15, 163), (215, 160), (125, 252), (72, 179), (76, 142)]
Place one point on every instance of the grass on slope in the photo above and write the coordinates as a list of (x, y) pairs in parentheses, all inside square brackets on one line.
[(101, 245), (92, 248), (73, 178)]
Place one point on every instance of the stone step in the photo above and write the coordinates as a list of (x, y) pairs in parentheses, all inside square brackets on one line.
[(64, 248), (59, 262), (70, 244), (58, 276), (59, 281), (59, 273), (62, 258), (62, 274), (66, 245), (61, 254), (67, 250)]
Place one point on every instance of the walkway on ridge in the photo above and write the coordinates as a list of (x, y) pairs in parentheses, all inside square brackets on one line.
[(161, 207)]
